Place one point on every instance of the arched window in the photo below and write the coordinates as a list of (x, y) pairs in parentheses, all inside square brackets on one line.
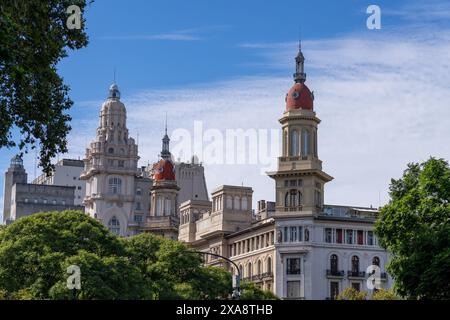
[(159, 206), (229, 202), (294, 143), (111, 150), (286, 200), (259, 267), (114, 225), (355, 264), (115, 186), (269, 264), (244, 203), (168, 207), (237, 203), (306, 139), (249, 269), (376, 261), (334, 264), (285, 143)]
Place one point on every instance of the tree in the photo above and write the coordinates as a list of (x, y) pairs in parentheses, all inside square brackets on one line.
[(33, 97), (350, 293), (249, 291), (383, 294), (35, 252), (415, 227)]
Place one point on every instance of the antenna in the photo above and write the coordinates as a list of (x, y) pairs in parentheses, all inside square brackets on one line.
[(166, 123), (300, 38), (114, 75)]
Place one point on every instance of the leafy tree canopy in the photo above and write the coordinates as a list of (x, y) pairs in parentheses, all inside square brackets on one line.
[(34, 37), (415, 228)]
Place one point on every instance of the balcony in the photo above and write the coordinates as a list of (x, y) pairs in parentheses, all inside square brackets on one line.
[(335, 273), (259, 277), (356, 274)]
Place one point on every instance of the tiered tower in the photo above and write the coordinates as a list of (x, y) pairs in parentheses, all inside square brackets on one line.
[(111, 168), (299, 179), (15, 174)]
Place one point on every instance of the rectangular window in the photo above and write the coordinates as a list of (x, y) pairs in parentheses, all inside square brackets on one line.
[(370, 238), (356, 286), (349, 236), (300, 233), (328, 235), (293, 266), (293, 289), (286, 183), (338, 235), (334, 289), (138, 218), (360, 236), (285, 235), (293, 183), (293, 236), (121, 163)]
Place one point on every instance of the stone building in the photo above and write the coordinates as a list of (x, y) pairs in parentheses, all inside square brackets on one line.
[(22, 199), (297, 246)]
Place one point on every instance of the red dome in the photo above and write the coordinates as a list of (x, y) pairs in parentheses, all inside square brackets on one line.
[(299, 97), (163, 170)]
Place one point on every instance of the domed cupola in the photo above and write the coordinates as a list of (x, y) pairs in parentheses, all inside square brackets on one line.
[(299, 96)]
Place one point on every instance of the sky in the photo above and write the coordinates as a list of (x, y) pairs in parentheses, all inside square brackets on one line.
[(383, 95)]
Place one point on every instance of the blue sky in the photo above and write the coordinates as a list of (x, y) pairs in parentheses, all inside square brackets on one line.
[(382, 95)]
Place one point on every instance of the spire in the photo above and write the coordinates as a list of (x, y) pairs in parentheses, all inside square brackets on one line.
[(299, 75), (165, 153)]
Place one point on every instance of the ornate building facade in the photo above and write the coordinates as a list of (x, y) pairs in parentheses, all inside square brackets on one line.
[(297, 246)]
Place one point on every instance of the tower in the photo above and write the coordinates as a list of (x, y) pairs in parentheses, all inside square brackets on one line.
[(299, 177), (111, 168), (15, 174), (164, 219)]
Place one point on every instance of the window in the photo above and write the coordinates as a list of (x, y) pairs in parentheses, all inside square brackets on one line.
[(269, 264), (306, 234), (63, 202), (249, 269), (349, 236), (328, 235), (334, 264), (229, 202), (355, 264), (293, 289), (338, 235), (286, 183), (293, 266), (44, 201), (53, 201), (259, 267), (138, 206), (111, 150), (356, 286), (138, 218), (293, 235), (244, 203), (138, 191), (79, 187), (26, 200), (114, 225), (306, 148), (360, 237), (370, 238), (318, 198), (293, 183), (300, 233), (334, 289), (285, 233), (294, 143), (121, 164), (35, 200), (236, 203), (115, 186), (376, 261)]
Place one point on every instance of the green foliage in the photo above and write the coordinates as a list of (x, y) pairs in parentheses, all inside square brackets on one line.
[(383, 294), (415, 228), (249, 291), (36, 250), (33, 97), (350, 293)]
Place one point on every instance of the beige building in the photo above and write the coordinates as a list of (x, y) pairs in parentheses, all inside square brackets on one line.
[(297, 246)]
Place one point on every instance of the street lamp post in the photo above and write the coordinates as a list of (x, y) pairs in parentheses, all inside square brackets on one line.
[(236, 279)]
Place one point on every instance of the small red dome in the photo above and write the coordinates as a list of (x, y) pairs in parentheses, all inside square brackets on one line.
[(163, 170), (299, 97)]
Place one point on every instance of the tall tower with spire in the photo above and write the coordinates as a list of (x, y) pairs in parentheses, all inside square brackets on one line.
[(111, 168), (299, 178), (163, 218)]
